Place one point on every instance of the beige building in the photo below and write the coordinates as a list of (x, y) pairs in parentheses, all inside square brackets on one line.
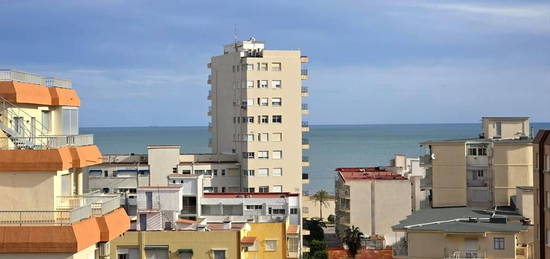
[(44, 210), (313, 209), (462, 232), (481, 171), (373, 200), (257, 112)]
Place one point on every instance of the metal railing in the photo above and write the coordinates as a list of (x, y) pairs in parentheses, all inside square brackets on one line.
[(13, 119), (305, 159), (47, 142), (305, 90), (25, 77), (305, 124), (400, 249), (305, 141), (304, 72), (190, 209), (459, 254), (304, 106)]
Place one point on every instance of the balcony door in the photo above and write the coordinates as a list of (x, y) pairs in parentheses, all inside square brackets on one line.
[(471, 248)]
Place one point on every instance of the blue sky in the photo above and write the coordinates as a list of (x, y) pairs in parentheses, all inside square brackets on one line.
[(143, 63)]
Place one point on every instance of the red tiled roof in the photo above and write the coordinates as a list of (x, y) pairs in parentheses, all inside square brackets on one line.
[(341, 253), (293, 229), (186, 221), (368, 173), (248, 240), (248, 194)]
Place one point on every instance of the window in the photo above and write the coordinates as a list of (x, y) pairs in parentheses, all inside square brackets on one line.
[(250, 119), (498, 128), (219, 254), (262, 84), (223, 172), (263, 137), (263, 67), (477, 151), (263, 101), (106, 173), (249, 137), (253, 207), (70, 121), (263, 172), (277, 154), (249, 67), (198, 172), (263, 189), (208, 172), (277, 118), (175, 170), (277, 172), (264, 119), (277, 188), (276, 66), (294, 211), (547, 163), (186, 171), (271, 245), (277, 211), (275, 83), (276, 101), (499, 243), (46, 121), (277, 137), (250, 84), (263, 154), (249, 102), (248, 154), (293, 244), (251, 189)]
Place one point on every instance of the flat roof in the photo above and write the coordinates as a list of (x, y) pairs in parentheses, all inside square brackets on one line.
[(456, 220), (480, 140), (248, 194), (159, 187), (367, 173), (506, 118)]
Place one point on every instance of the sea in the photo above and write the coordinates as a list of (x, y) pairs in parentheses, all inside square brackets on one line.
[(331, 146)]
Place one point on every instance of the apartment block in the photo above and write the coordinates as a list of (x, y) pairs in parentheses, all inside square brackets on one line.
[(373, 200), (45, 211), (462, 232), (256, 112), (541, 158), (311, 208), (483, 171)]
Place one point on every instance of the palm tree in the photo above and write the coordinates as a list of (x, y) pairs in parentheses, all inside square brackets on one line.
[(352, 239), (322, 197)]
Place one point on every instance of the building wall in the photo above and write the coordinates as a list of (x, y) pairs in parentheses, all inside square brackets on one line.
[(201, 242), (512, 166), (449, 174), (162, 161), (268, 231), (391, 201), (86, 253), (510, 127), (35, 190), (312, 207), (426, 245)]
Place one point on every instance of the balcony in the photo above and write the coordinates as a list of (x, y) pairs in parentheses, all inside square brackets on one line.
[(69, 210), (400, 249), (305, 143), (209, 110), (477, 161), (305, 126), (305, 91), (305, 161), (305, 109), (209, 95), (304, 74), (46, 142), (210, 126), (25, 77), (209, 79), (305, 178), (471, 254), (304, 59), (426, 160)]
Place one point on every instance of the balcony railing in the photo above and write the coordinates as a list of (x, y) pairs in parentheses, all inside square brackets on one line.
[(191, 209), (70, 209), (305, 159), (304, 106), (305, 141), (426, 160), (400, 249), (305, 90), (471, 254), (25, 77), (305, 124), (304, 72), (47, 142), (305, 176)]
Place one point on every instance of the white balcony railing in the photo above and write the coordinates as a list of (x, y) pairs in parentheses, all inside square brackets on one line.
[(460, 254), (25, 77), (69, 209)]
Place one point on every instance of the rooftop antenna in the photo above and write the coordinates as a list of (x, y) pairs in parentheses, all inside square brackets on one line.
[(235, 34)]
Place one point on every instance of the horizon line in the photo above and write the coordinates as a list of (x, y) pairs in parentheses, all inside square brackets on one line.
[(363, 124)]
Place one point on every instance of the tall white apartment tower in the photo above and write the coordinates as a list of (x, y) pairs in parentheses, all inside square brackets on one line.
[(257, 112)]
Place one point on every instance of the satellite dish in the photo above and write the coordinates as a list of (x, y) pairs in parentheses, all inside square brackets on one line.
[(433, 156)]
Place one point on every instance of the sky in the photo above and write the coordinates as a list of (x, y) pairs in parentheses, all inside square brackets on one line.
[(143, 63)]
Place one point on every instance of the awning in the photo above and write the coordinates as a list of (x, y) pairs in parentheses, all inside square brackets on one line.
[(248, 241)]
